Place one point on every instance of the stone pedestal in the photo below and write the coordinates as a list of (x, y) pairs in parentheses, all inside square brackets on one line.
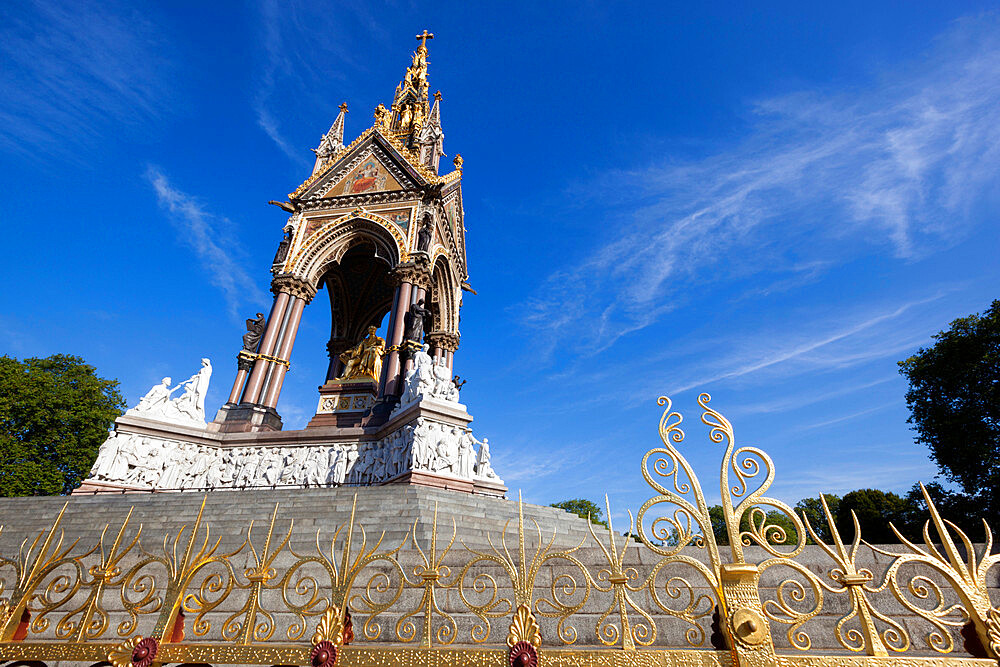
[(344, 403), (245, 418)]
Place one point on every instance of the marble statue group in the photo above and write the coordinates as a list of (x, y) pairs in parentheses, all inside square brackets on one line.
[(187, 408)]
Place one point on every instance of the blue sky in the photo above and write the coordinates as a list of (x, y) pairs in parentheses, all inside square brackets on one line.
[(771, 204)]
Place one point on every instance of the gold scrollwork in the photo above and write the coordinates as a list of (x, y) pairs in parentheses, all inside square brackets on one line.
[(66, 597)]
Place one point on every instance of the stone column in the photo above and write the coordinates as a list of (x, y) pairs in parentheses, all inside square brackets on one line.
[(414, 279), (274, 324), (444, 344), (287, 289), (394, 336), (244, 363), (334, 348), (284, 352)]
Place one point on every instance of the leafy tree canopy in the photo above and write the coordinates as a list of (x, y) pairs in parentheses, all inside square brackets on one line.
[(54, 415), (875, 511), (954, 401), (812, 509), (583, 508)]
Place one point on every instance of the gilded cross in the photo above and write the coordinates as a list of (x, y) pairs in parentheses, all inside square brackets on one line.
[(424, 37)]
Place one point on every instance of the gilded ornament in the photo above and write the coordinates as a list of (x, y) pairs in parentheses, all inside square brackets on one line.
[(524, 628), (748, 626), (330, 627), (121, 655), (64, 596)]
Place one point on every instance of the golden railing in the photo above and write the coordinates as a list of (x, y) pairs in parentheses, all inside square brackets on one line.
[(356, 603)]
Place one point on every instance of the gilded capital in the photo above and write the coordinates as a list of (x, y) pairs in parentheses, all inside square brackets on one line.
[(416, 272), (443, 339), (289, 284)]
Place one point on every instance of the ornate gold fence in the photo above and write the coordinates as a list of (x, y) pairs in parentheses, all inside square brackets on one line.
[(673, 596)]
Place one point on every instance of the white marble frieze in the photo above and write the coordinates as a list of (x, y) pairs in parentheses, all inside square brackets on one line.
[(142, 461)]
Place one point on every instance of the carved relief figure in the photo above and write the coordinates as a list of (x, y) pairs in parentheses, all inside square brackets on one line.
[(173, 468), (106, 456), (466, 456), (338, 466)]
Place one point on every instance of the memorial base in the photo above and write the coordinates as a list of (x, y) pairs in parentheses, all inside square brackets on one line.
[(479, 487), (344, 403), (243, 418)]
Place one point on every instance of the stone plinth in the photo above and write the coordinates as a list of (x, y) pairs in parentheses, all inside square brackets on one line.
[(245, 418), (344, 403)]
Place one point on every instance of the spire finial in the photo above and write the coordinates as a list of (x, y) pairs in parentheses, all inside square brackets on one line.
[(423, 39), (343, 107), (437, 96)]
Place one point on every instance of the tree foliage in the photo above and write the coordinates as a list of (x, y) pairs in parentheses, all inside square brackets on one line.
[(583, 508), (54, 414), (875, 511), (954, 402), (812, 509)]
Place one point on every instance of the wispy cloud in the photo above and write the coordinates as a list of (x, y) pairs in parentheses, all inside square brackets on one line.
[(897, 167), (872, 341), (794, 402), (849, 417), (277, 64), (306, 48), (200, 230), (74, 72)]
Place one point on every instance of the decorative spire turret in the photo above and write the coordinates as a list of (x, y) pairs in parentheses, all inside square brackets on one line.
[(332, 142), (410, 105), (431, 137)]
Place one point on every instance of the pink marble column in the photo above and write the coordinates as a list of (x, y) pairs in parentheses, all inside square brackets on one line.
[(284, 351), (234, 395), (267, 344), (451, 360), (418, 294), (397, 323)]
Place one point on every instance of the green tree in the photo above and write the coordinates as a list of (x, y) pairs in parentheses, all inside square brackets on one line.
[(583, 508), (812, 508), (954, 401), (875, 510), (54, 415), (958, 508)]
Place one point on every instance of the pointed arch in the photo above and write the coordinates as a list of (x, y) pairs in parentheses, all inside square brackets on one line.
[(444, 295), (327, 245)]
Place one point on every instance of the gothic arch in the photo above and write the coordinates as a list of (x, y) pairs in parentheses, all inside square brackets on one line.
[(444, 295), (327, 246)]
